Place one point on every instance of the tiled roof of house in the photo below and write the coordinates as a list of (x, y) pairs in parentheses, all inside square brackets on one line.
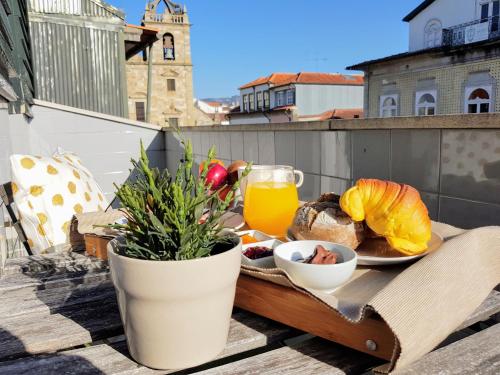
[(281, 79), (330, 79), (214, 104), (335, 114)]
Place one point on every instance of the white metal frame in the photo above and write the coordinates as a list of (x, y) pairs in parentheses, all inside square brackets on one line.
[(425, 105), (392, 108), (470, 89)]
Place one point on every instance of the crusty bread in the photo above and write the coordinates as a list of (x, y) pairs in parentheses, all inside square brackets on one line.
[(324, 220)]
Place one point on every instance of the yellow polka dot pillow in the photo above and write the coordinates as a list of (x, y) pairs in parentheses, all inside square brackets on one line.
[(48, 191)]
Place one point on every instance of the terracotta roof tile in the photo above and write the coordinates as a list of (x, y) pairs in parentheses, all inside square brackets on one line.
[(281, 79), (331, 79), (336, 114)]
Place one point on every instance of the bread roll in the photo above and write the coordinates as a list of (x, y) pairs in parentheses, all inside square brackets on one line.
[(324, 220)]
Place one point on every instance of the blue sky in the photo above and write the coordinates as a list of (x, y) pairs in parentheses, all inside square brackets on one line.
[(236, 41)]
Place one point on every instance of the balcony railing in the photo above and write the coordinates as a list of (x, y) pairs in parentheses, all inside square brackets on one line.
[(172, 18), (470, 32)]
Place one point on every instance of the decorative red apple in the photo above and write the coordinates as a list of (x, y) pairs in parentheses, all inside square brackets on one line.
[(216, 176)]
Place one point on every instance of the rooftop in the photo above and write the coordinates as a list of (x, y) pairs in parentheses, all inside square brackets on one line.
[(444, 49), (281, 79)]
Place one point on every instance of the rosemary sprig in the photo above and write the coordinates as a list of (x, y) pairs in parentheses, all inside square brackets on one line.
[(164, 211)]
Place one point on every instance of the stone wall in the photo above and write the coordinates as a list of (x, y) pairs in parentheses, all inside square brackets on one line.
[(454, 161)]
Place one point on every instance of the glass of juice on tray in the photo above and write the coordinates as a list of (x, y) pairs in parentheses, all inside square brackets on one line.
[(271, 198)]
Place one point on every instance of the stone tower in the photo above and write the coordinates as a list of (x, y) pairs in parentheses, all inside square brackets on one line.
[(172, 70)]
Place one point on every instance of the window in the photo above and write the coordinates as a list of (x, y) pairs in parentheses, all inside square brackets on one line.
[(490, 10), (280, 98), (140, 113), (173, 121), (290, 97), (251, 102), (425, 103), (168, 47), (433, 34), (485, 9), (495, 15), (478, 100), (267, 102), (245, 103), (388, 105), (260, 101), (170, 84)]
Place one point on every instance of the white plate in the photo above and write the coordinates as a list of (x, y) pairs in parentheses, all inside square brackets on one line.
[(369, 260)]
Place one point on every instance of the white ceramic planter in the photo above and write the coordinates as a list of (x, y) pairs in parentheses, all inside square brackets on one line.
[(175, 314)]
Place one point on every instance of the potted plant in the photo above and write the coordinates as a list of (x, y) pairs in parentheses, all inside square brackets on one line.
[(175, 269)]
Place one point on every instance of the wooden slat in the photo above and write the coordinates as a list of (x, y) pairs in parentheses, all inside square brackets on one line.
[(476, 354), (53, 279), (315, 356), (246, 332), (41, 302), (51, 263), (300, 311), (66, 328), (488, 308)]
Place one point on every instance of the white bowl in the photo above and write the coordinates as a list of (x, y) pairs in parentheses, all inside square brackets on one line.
[(266, 262), (323, 277)]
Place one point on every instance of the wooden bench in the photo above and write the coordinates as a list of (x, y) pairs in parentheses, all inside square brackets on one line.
[(59, 314)]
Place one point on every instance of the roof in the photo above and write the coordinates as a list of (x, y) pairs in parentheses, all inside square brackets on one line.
[(281, 79), (336, 114), (214, 104), (436, 50), (138, 38), (417, 10)]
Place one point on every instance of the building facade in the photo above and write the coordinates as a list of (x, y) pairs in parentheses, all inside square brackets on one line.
[(453, 64), (79, 54), (285, 97), (171, 71)]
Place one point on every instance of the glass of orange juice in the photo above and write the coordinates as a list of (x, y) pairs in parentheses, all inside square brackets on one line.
[(271, 198)]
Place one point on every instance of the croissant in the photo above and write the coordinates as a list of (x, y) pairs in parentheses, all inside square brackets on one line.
[(392, 210)]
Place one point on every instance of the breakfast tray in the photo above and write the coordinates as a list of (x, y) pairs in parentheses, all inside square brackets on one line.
[(300, 310), (394, 312)]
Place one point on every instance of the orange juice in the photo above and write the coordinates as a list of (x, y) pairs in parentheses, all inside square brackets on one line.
[(270, 206)]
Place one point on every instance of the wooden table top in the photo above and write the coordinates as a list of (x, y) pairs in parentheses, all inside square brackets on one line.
[(58, 314)]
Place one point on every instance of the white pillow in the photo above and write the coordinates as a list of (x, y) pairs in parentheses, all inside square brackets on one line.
[(48, 191)]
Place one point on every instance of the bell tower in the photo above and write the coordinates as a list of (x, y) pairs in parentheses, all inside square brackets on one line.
[(171, 71)]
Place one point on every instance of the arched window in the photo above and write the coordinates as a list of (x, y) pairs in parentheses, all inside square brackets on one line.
[(479, 100), (433, 34), (388, 105), (168, 47), (425, 103)]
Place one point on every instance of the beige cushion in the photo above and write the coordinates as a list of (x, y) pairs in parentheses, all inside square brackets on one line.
[(48, 191)]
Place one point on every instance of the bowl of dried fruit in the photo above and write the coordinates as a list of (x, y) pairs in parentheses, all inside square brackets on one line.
[(259, 254), (318, 265)]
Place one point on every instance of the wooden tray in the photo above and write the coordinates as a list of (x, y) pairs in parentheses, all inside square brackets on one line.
[(298, 310)]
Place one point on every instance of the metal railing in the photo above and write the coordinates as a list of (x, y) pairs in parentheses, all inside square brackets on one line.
[(468, 32)]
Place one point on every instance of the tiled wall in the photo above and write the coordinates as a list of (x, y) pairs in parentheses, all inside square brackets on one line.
[(457, 171)]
